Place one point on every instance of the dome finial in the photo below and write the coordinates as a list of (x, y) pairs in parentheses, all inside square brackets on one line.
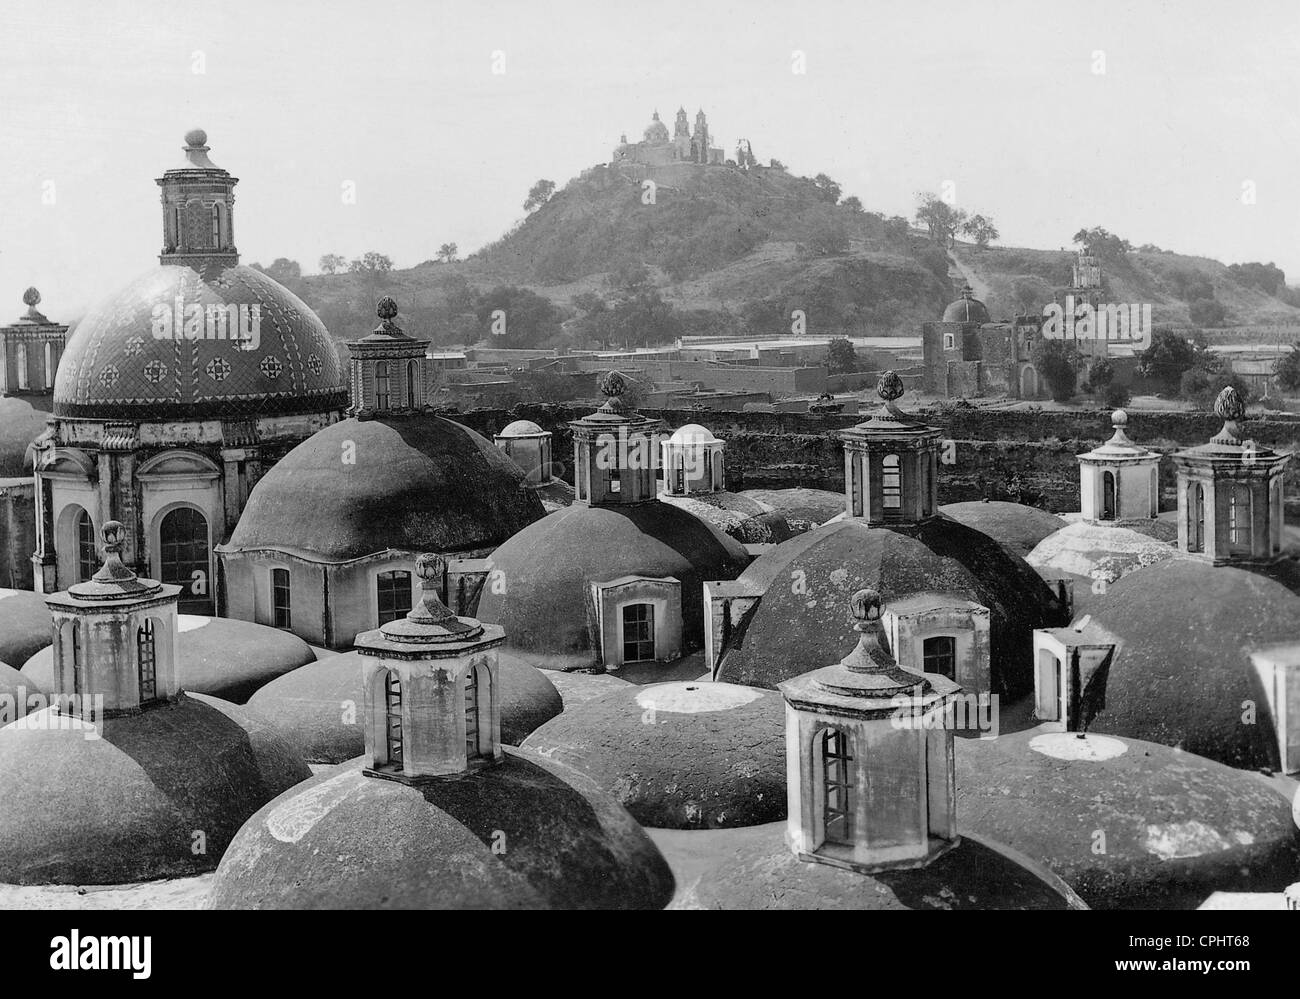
[(429, 569), (889, 386), (31, 298), (1119, 419), (1231, 408), (386, 307), (113, 570), (196, 138), (865, 604), (613, 384)]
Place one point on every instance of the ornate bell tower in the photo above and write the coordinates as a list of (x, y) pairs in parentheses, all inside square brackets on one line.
[(115, 637), (388, 369), (870, 755), (891, 463), (615, 451), (198, 200), (1230, 492), (432, 689)]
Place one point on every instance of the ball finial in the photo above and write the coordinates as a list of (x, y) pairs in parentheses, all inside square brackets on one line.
[(1229, 405), (31, 298), (113, 534), (196, 137), (865, 605), (1119, 418), (613, 384), (889, 386), (386, 308), (429, 567)]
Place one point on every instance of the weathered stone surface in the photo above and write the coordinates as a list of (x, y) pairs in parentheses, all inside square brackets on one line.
[(1016, 527), (526, 834), (24, 625), (133, 803), (1128, 824), (693, 755)]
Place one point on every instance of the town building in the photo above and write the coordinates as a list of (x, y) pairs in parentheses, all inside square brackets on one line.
[(658, 148)]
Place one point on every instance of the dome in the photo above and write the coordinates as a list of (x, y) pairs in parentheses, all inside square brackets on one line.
[(656, 131), (797, 624), (739, 516), (1177, 827), (522, 428), (1016, 527), (693, 433), (20, 424), (115, 368), (754, 868), (967, 309), (1185, 632), (549, 566), (687, 755), (802, 508), (125, 806), (19, 693), (25, 626), (303, 707), (418, 484), (219, 656), (344, 840), (1091, 551)]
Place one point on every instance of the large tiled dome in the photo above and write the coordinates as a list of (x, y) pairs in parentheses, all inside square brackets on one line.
[(116, 368)]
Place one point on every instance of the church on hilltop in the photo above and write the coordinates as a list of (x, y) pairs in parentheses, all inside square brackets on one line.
[(657, 148)]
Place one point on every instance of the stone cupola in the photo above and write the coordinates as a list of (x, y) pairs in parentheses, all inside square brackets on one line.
[(615, 451), (1119, 480), (388, 370), (198, 200), (115, 637), (870, 754), (1230, 492), (891, 463), (432, 689), (692, 461), (30, 348)]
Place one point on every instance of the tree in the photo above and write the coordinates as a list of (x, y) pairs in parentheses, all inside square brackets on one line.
[(776, 164), (1116, 396), (1052, 360), (826, 238), (1287, 369), (853, 203), (371, 263), (332, 263), (1268, 278), (941, 219), (981, 229), (1202, 383), (841, 358), (1100, 377), (828, 190), (1102, 243), (447, 253), (525, 318), (1166, 359), (1206, 312), (539, 194)]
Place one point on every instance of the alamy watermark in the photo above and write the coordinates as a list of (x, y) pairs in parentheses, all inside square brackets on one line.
[(1127, 324), (241, 325)]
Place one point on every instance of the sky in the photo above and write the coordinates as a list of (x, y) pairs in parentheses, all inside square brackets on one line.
[(1176, 124)]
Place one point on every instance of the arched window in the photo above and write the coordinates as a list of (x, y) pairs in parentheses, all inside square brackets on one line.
[(147, 661), (184, 558), (20, 361), (411, 400), (216, 226), (381, 385), (638, 633), (393, 594), (176, 228), (280, 616), (939, 655), (891, 487), (393, 718), (1195, 518), (1108, 496), (1155, 492), (472, 695), (50, 364), (1239, 516), (837, 786), (87, 552)]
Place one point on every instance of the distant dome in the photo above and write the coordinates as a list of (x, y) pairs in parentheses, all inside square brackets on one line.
[(126, 806), (20, 424), (303, 706), (17, 689), (1177, 827), (1016, 527), (419, 484), (967, 309), (684, 755), (25, 626), (521, 428), (1182, 671), (548, 568), (1089, 552), (754, 868), (656, 131), (693, 433), (802, 508), (794, 625), (218, 656), (115, 368), (739, 516), (344, 840)]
